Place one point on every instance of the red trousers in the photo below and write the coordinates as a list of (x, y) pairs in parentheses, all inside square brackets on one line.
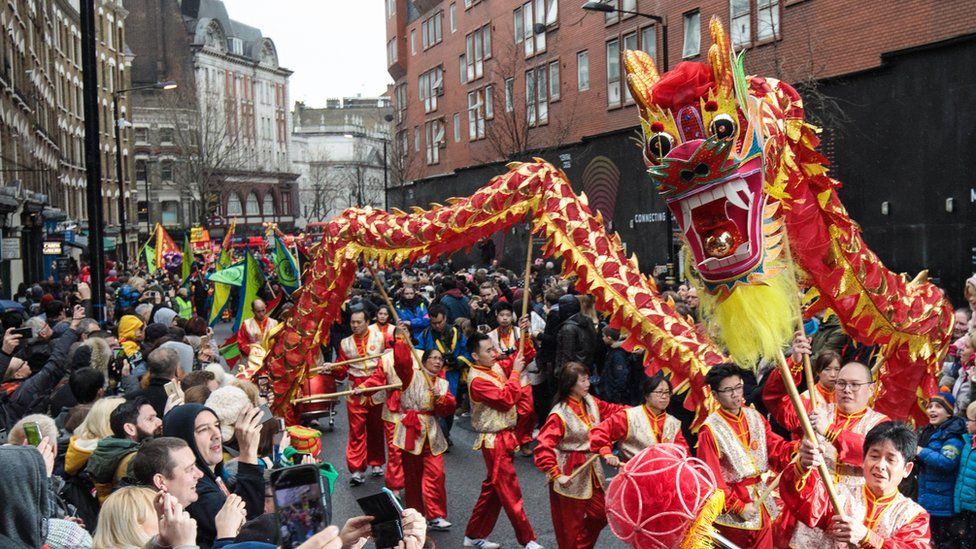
[(367, 436), (758, 539), (394, 466), (500, 490), (426, 491), (525, 407), (577, 522)]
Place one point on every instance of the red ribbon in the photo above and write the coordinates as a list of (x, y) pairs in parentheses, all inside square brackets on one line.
[(411, 420)]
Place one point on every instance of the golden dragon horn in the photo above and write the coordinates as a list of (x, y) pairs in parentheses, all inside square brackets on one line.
[(720, 57), (641, 76)]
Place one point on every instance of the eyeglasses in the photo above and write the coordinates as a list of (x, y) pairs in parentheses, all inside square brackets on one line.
[(844, 385), (731, 390), (661, 393)]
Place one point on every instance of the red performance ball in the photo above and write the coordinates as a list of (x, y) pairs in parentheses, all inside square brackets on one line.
[(663, 499)]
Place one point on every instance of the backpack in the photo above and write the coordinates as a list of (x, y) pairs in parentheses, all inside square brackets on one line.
[(79, 492)]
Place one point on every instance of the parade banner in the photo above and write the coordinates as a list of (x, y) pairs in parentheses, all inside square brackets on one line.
[(286, 267), (251, 285)]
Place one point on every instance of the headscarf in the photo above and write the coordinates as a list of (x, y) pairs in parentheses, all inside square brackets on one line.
[(25, 496), (185, 351), (179, 423), (165, 316), (128, 326)]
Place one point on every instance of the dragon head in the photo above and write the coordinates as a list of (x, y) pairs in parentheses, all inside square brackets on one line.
[(712, 154), (703, 146)]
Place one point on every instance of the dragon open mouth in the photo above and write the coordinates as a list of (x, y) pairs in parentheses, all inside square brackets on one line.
[(722, 223)]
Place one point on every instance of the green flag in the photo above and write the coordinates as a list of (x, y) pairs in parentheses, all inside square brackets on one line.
[(150, 258), (253, 280), (187, 258), (285, 267), (233, 275)]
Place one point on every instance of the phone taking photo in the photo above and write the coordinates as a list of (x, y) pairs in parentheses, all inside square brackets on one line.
[(302, 501), (387, 526), (33, 432)]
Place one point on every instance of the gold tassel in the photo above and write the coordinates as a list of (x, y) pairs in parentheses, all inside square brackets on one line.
[(700, 534)]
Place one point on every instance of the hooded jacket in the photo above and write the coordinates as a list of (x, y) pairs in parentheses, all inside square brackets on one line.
[(128, 327), (26, 498), (250, 481), (34, 392), (109, 463), (938, 465)]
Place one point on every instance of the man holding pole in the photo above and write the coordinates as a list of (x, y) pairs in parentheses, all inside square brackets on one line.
[(250, 336), (495, 388), (841, 428), (367, 441), (738, 445)]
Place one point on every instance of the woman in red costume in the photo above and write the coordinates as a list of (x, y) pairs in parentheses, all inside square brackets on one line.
[(639, 427), (576, 502)]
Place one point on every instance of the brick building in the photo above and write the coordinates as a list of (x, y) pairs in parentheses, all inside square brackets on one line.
[(478, 83), (216, 148), (43, 209)]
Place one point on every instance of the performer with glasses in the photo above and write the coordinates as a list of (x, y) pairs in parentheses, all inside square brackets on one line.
[(738, 445), (638, 427), (841, 426)]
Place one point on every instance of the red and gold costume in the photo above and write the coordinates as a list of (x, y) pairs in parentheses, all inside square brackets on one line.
[(893, 520), (250, 342), (634, 429), (778, 403), (507, 341), (494, 394), (578, 507), (739, 449), (367, 444), (418, 437), (388, 330)]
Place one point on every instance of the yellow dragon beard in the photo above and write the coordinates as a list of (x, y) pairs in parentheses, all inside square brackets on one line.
[(756, 320)]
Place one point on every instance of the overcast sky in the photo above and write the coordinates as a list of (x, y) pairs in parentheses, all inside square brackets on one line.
[(337, 48)]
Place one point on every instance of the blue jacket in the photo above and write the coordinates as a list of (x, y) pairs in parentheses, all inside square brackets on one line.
[(938, 463), (452, 344), (965, 496), (416, 316), (614, 376), (457, 307)]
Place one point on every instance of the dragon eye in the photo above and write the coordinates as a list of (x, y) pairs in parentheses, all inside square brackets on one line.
[(723, 126), (659, 145)]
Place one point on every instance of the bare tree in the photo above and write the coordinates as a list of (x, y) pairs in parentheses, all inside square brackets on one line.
[(323, 192), (210, 145), (401, 165)]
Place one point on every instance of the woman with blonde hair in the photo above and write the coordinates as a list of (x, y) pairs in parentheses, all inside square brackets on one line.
[(85, 438), (127, 519)]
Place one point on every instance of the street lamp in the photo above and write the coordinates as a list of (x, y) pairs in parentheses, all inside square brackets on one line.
[(168, 85), (607, 8)]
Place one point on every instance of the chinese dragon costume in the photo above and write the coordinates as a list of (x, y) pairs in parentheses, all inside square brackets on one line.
[(737, 165)]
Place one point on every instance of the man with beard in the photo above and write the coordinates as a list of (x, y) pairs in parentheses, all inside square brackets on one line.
[(412, 310), (132, 422)]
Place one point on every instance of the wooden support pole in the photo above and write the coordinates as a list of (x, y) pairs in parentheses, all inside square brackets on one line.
[(328, 366), (526, 291), (357, 391)]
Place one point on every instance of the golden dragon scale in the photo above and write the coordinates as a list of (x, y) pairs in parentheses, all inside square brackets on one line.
[(571, 230)]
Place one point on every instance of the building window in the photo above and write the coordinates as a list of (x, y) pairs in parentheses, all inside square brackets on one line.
[(416, 139), (767, 19), (457, 127), (268, 208), (613, 73), (431, 85), (527, 32), (171, 212), (401, 102), (166, 170), (611, 17), (413, 41), (477, 49), (434, 135), (649, 42), (391, 52), (530, 97), (234, 205), (552, 13), (692, 38), (166, 135), (740, 17), (554, 81), (431, 30), (453, 16), (236, 46), (476, 115), (583, 70), (519, 26), (537, 96), (390, 8), (251, 207), (141, 134), (141, 171), (489, 102), (509, 94)]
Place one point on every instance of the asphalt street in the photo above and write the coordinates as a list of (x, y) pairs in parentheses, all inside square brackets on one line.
[(465, 470)]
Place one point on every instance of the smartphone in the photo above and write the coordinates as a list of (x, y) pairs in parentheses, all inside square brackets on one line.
[(387, 528), (33, 433), (266, 414), (302, 501), (263, 383), (24, 333)]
